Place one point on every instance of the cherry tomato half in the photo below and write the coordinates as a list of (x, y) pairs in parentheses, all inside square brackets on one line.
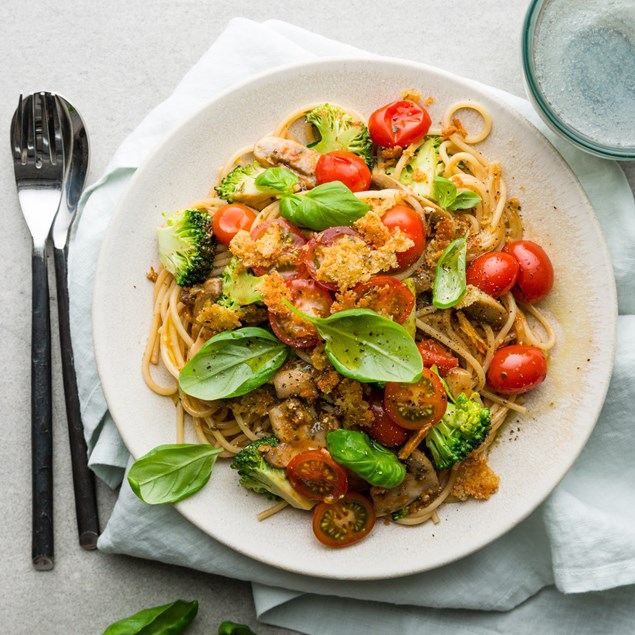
[(229, 219), (311, 254), (315, 475), (416, 406), (383, 429), (434, 354), (410, 224), (292, 240), (386, 295), (345, 522), (343, 166), (535, 278), (516, 369), (399, 123), (494, 273), (311, 299)]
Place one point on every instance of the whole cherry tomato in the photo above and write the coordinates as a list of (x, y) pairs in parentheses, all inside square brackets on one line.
[(310, 298), (494, 273), (516, 369), (399, 123), (416, 406), (411, 224), (343, 166), (434, 354), (535, 278), (316, 476), (386, 295), (229, 219)]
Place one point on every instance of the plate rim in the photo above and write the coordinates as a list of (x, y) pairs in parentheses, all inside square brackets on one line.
[(481, 91)]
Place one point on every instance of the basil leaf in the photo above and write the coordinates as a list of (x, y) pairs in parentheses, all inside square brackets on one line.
[(232, 363), (448, 197), (171, 619), (444, 192), (363, 345), (368, 459), (465, 200), (233, 628), (277, 179), (327, 205), (449, 279), (170, 473)]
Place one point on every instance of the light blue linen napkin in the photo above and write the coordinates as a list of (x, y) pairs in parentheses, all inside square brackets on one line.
[(581, 539)]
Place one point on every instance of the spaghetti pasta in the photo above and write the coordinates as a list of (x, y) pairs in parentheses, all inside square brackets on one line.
[(184, 318)]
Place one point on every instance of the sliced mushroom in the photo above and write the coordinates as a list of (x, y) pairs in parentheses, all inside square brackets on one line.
[(276, 151), (420, 480), (299, 429), (482, 307), (383, 181), (295, 379), (423, 279), (459, 381)]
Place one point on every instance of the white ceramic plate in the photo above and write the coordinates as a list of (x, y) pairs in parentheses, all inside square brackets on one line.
[(562, 412)]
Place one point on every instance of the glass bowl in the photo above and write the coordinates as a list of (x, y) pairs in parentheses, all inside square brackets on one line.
[(579, 67)]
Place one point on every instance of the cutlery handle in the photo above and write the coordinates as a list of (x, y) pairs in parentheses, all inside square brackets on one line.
[(41, 416), (83, 478)]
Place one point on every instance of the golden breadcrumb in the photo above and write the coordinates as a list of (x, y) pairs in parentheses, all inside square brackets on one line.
[(274, 289), (217, 318), (411, 94), (270, 249), (152, 275), (348, 396), (319, 359), (258, 401), (428, 101), (474, 479), (327, 380), (373, 231)]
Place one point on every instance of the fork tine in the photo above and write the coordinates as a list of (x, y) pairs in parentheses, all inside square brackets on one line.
[(16, 131), (57, 130), (28, 129)]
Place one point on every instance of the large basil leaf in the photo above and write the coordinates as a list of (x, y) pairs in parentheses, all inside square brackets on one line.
[(368, 459), (449, 279), (170, 473), (363, 345), (232, 363), (448, 197), (279, 179), (327, 205), (169, 619)]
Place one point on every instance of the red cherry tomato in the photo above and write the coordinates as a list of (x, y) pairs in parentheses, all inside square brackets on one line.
[(311, 254), (292, 239), (383, 429), (343, 166), (516, 369), (229, 219), (311, 299), (385, 295), (416, 406), (494, 273), (315, 475), (535, 278), (434, 354), (399, 123), (345, 522), (412, 225)]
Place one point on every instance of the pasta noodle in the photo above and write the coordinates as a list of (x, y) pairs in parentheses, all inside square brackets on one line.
[(176, 333)]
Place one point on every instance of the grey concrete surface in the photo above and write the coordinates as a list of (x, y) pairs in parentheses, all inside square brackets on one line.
[(115, 60)]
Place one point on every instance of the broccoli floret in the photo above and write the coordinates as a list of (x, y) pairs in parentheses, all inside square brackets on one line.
[(187, 246), (240, 185), (238, 286), (420, 170), (462, 429), (257, 475), (339, 130)]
